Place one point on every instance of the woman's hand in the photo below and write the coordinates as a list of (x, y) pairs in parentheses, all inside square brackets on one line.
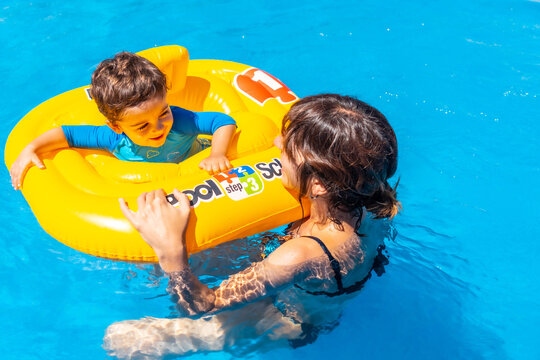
[(24, 161), (162, 226)]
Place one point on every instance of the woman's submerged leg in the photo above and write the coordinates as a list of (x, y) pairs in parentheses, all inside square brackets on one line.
[(258, 326)]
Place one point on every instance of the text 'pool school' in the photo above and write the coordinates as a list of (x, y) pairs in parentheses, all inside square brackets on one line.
[(237, 183)]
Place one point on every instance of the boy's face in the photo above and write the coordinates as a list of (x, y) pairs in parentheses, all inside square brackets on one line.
[(147, 124)]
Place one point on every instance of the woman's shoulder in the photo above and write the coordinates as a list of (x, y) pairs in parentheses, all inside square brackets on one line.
[(293, 252), (302, 249)]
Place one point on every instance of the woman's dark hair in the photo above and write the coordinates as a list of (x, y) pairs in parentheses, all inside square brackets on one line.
[(347, 145), (125, 81)]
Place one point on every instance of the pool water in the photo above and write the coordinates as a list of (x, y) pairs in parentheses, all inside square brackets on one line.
[(459, 81)]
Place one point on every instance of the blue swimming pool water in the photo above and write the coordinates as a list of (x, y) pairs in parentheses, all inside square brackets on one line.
[(459, 81)]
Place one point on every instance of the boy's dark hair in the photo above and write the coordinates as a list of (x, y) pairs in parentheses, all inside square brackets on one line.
[(124, 81), (349, 146)]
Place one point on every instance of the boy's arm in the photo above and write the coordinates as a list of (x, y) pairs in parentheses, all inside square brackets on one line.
[(51, 140), (221, 126), (80, 136), (217, 161)]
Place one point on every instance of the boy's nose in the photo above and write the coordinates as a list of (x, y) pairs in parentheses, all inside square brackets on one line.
[(159, 125)]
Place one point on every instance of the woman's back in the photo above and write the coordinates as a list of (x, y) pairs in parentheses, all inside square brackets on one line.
[(317, 299)]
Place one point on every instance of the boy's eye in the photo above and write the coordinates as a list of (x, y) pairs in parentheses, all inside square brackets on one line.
[(165, 113), (140, 128)]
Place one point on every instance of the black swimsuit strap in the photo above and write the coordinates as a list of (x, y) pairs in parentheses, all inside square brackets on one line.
[(348, 290), (333, 262), (378, 265)]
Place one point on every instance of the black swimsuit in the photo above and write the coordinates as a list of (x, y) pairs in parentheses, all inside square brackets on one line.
[(311, 332), (378, 266)]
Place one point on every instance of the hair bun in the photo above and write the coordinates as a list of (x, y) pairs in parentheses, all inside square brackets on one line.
[(383, 202)]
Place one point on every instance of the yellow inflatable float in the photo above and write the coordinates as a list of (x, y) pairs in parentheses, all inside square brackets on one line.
[(75, 199)]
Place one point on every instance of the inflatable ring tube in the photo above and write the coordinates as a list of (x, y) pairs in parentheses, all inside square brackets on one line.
[(75, 199)]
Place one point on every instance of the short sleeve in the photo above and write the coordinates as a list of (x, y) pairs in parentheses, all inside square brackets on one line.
[(91, 137), (195, 123)]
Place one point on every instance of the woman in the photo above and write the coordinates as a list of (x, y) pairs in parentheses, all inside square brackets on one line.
[(338, 151)]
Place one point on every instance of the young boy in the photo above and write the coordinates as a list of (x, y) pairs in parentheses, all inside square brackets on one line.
[(131, 92)]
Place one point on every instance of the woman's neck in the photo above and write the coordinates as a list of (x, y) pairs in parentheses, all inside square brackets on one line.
[(319, 218)]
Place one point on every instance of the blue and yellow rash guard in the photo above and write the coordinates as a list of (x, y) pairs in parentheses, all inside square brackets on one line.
[(181, 142)]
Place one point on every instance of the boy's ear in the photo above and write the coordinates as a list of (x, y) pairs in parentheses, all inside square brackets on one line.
[(114, 127)]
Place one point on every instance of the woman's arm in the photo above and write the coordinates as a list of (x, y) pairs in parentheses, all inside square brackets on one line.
[(163, 227), (51, 140), (260, 279)]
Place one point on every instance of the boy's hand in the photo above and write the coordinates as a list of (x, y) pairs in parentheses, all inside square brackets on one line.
[(24, 161), (215, 164)]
